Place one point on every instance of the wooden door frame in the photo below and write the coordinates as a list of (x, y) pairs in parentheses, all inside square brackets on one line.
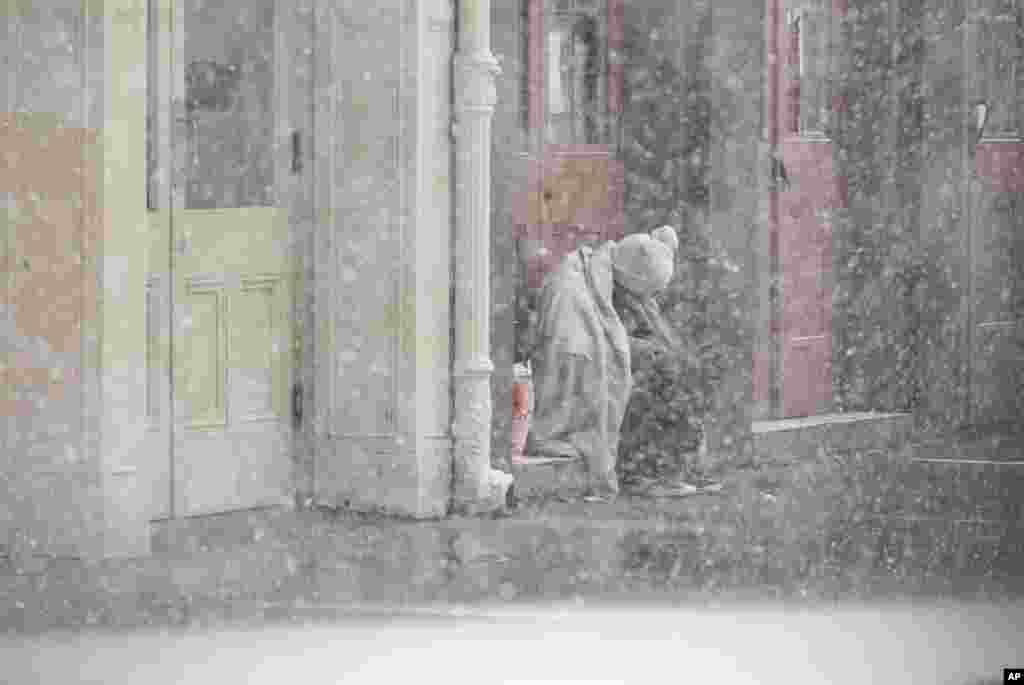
[(126, 460)]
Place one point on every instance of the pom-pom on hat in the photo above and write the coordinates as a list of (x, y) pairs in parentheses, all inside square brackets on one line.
[(667, 235), (642, 264)]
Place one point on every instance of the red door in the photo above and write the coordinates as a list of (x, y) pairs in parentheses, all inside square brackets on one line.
[(575, 183), (804, 196)]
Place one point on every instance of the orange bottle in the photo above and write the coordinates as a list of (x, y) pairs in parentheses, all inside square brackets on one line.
[(520, 410)]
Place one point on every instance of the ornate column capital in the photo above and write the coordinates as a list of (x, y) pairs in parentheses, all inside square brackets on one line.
[(477, 90)]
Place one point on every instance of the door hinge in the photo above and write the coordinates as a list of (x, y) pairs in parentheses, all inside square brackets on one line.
[(297, 404), (297, 152)]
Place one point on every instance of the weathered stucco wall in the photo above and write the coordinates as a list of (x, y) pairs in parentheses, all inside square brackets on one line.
[(736, 227), (73, 350), (384, 257), (878, 140), (50, 256)]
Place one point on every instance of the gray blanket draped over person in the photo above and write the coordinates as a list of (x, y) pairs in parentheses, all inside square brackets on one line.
[(582, 373)]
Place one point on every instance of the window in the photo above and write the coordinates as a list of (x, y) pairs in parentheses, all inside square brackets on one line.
[(230, 84), (810, 24), (575, 73), (997, 57)]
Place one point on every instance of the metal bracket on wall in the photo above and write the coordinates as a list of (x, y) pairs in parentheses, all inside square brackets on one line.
[(297, 152), (297, 404)]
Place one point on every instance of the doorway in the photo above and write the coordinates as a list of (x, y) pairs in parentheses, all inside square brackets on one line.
[(805, 193), (972, 211), (230, 106), (993, 153)]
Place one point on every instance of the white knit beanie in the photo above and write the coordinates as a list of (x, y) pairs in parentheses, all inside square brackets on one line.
[(642, 265)]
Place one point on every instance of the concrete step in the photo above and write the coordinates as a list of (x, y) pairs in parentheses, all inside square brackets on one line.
[(554, 478), (812, 436), (996, 447), (965, 488), (782, 441)]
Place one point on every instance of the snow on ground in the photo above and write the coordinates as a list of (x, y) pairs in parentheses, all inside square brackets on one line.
[(947, 643)]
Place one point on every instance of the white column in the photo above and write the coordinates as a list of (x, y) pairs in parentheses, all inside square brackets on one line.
[(478, 487)]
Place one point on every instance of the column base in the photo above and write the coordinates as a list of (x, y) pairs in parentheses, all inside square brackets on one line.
[(495, 498), (478, 488)]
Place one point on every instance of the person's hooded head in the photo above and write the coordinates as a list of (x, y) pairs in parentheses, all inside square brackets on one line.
[(643, 264)]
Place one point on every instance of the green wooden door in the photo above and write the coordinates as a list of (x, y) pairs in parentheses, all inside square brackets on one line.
[(235, 106)]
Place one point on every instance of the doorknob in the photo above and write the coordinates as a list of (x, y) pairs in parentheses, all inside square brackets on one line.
[(297, 404)]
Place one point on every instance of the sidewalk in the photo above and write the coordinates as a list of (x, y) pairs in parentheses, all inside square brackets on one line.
[(845, 526), (941, 642)]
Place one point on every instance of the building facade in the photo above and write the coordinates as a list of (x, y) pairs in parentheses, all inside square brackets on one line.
[(282, 253)]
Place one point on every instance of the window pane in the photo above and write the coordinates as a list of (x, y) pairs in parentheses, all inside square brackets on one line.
[(814, 60), (229, 99), (575, 74)]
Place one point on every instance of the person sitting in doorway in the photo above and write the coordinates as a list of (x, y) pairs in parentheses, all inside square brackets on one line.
[(581, 355)]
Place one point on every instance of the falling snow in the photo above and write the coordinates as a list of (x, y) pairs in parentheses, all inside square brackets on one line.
[(244, 294)]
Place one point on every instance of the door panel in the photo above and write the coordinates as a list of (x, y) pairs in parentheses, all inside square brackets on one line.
[(806, 262), (364, 246), (233, 195)]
